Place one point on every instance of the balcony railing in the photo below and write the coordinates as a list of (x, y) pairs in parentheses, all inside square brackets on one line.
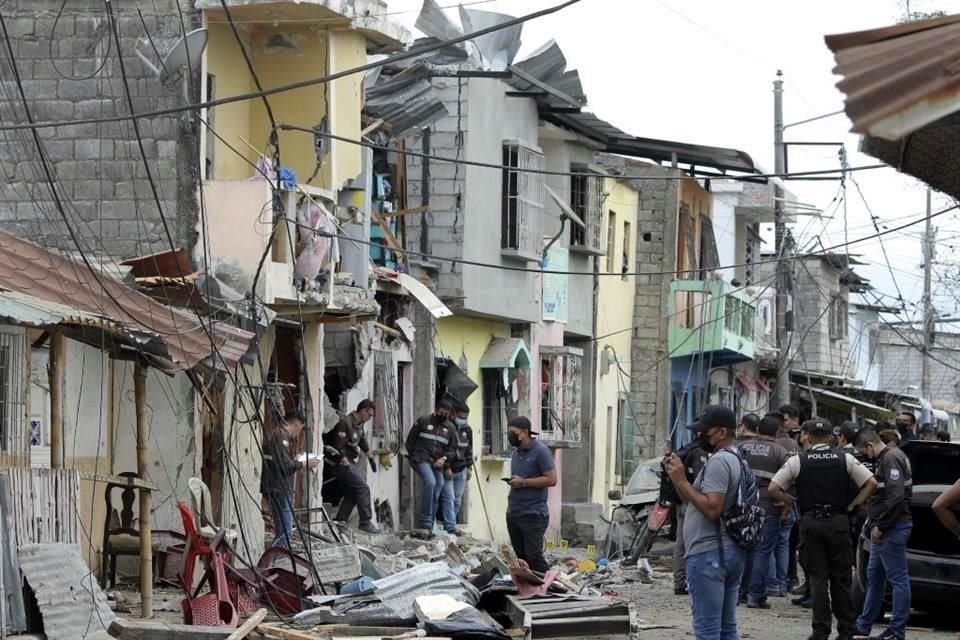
[(708, 316)]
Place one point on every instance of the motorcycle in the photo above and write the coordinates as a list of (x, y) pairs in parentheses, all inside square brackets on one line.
[(647, 504)]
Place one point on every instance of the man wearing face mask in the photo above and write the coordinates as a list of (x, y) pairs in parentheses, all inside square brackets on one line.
[(533, 472), (907, 426), (715, 564), (461, 464), (890, 523), (432, 441)]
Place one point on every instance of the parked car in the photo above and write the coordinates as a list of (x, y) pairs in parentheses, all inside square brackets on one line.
[(933, 553)]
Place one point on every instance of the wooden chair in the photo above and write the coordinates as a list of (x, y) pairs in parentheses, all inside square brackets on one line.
[(120, 538)]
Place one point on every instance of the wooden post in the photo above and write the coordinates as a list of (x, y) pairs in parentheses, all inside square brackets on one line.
[(146, 528), (57, 363)]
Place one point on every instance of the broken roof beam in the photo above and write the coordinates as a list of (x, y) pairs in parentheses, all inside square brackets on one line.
[(543, 86)]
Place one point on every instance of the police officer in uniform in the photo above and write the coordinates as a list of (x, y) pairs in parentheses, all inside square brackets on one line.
[(765, 456), (820, 476), (890, 523), (431, 443), (349, 442)]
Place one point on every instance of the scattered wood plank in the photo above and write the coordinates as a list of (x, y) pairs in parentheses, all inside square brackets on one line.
[(247, 627), (283, 633), (141, 630), (376, 124), (405, 212), (388, 235)]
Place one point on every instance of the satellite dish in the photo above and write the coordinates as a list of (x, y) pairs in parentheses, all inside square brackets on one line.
[(186, 52)]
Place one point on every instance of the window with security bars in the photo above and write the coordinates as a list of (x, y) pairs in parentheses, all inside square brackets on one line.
[(839, 311), (499, 405), (562, 394), (586, 200), (387, 430), (521, 217), (13, 432)]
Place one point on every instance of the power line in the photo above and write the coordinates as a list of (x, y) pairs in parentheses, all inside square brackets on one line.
[(573, 174), (404, 55)]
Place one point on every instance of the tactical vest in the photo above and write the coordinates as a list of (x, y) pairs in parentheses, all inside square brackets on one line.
[(823, 480)]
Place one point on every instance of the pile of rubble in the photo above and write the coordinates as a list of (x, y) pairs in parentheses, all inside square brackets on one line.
[(401, 586)]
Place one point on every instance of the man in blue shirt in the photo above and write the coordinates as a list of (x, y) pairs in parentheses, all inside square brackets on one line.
[(533, 471)]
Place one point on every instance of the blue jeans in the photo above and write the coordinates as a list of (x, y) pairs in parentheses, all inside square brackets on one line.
[(459, 486), (714, 586), (770, 536), (888, 563), (432, 489), (778, 578), (448, 510), (282, 510)]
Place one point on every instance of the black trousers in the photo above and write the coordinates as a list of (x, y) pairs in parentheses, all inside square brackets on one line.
[(356, 493), (526, 535), (828, 561)]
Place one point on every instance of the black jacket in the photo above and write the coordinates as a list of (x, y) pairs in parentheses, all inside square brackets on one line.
[(464, 452), (890, 503), (279, 466), (348, 438), (430, 439)]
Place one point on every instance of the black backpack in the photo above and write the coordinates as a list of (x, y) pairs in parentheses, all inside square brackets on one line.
[(744, 519)]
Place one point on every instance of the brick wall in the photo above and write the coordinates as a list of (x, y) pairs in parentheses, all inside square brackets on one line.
[(99, 173), (441, 224), (656, 241)]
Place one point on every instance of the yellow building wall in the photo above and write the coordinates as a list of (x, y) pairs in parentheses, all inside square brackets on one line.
[(461, 337), (283, 55), (231, 121), (614, 316), (348, 49)]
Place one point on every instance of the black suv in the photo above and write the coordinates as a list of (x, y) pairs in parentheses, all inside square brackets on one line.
[(933, 553)]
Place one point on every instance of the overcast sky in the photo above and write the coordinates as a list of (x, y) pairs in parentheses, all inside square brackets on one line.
[(701, 71)]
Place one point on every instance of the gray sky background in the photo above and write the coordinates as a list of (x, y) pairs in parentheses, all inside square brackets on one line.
[(701, 71)]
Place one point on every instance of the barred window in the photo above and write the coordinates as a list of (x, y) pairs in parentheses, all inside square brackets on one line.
[(586, 200), (562, 394), (521, 219)]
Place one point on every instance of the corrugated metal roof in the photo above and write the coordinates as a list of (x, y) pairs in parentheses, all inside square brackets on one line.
[(617, 141), (391, 603), (548, 64), (85, 297), (405, 100), (68, 596), (505, 353), (900, 78)]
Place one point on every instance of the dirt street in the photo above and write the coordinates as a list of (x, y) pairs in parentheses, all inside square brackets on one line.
[(656, 605)]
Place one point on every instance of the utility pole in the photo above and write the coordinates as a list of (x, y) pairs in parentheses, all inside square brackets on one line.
[(782, 391), (928, 247)]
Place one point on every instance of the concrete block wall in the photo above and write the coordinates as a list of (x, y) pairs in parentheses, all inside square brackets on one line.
[(98, 170), (816, 282), (444, 222), (656, 242), (900, 362)]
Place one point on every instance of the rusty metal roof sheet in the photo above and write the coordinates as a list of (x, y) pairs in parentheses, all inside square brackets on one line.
[(85, 297), (68, 596), (900, 78)]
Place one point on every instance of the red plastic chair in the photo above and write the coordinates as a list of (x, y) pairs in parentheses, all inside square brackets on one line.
[(215, 608)]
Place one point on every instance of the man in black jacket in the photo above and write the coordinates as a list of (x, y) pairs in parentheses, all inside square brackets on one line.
[(432, 441), (350, 441), (462, 463), (890, 523), (694, 458), (278, 473)]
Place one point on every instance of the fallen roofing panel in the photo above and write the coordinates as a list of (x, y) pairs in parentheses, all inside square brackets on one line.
[(391, 603), (31, 270), (67, 594), (406, 100)]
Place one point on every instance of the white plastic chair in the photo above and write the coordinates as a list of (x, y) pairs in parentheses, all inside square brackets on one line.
[(202, 505)]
